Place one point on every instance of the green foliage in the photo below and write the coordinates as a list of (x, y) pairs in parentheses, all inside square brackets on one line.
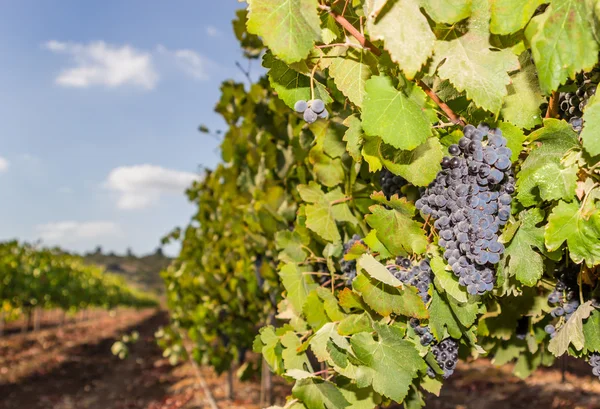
[(265, 247)]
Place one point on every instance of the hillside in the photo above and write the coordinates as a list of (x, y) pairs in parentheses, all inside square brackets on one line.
[(143, 271)]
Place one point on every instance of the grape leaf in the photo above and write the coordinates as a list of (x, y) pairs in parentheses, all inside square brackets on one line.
[(318, 343), (506, 352), (589, 135), (351, 72), (385, 299), (404, 31), (520, 258), (389, 363), (522, 104), (447, 11), (393, 116), (542, 173), (465, 313), (591, 332), (330, 172), (314, 311), (509, 16), (271, 348), (290, 245), (471, 66), (319, 394), (389, 222), (320, 220), (526, 364), (370, 152), (360, 398), (288, 27), (571, 332), (446, 280), (292, 358), (290, 85), (579, 227), (354, 137), (562, 42), (377, 270), (419, 166), (515, 138), (331, 304), (297, 285), (440, 316), (354, 323), (311, 193)]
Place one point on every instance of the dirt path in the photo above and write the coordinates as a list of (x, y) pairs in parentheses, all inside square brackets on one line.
[(74, 368)]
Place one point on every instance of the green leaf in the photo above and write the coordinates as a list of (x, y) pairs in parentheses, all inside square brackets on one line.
[(314, 311), (520, 258), (389, 222), (447, 11), (354, 323), (290, 244), (506, 352), (351, 72), (360, 398), (465, 313), (311, 193), (446, 280), (526, 364), (440, 316), (297, 285), (293, 359), (319, 218), (319, 394), (318, 343), (404, 31), (393, 116), (591, 332), (377, 270), (471, 66), (354, 137), (271, 349), (579, 227), (562, 42), (331, 304), (330, 172), (389, 363), (515, 138), (419, 166), (542, 174), (589, 135), (370, 152), (522, 104), (289, 84), (571, 332), (288, 27), (385, 299), (509, 16)]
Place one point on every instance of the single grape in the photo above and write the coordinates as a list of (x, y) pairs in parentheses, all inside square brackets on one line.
[(300, 106), (454, 150), (317, 106), (310, 116)]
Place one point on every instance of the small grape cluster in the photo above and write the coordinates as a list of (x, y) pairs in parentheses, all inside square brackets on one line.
[(594, 361), (349, 266), (572, 104), (446, 355), (564, 299), (418, 275), (390, 183), (470, 201), (423, 331), (312, 110)]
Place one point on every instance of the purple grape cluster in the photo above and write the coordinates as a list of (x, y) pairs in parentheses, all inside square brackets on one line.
[(470, 202), (390, 183), (446, 355), (349, 266), (423, 331), (419, 275), (311, 110), (564, 298), (594, 361)]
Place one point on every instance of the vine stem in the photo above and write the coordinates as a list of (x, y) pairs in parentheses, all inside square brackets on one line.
[(552, 110), (338, 201), (368, 45), (312, 81)]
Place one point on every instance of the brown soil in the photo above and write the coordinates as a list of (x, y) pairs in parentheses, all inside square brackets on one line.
[(71, 367)]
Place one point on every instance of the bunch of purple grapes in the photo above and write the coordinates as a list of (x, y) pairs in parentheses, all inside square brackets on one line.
[(470, 202), (446, 355), (390, 183), (349, 266), (311, 110), (564, 298), (419, 275)]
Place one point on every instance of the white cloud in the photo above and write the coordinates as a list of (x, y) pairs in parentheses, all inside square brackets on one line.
[(4, 164), (98, 63), (212, 31), (71, 231), (189, 61), (142, 185)]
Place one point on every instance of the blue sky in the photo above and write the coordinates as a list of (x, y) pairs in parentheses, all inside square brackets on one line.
[(100, 106)]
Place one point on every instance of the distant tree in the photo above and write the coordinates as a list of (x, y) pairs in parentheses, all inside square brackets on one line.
[(98, 250), (159, 252), (130, 252)]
